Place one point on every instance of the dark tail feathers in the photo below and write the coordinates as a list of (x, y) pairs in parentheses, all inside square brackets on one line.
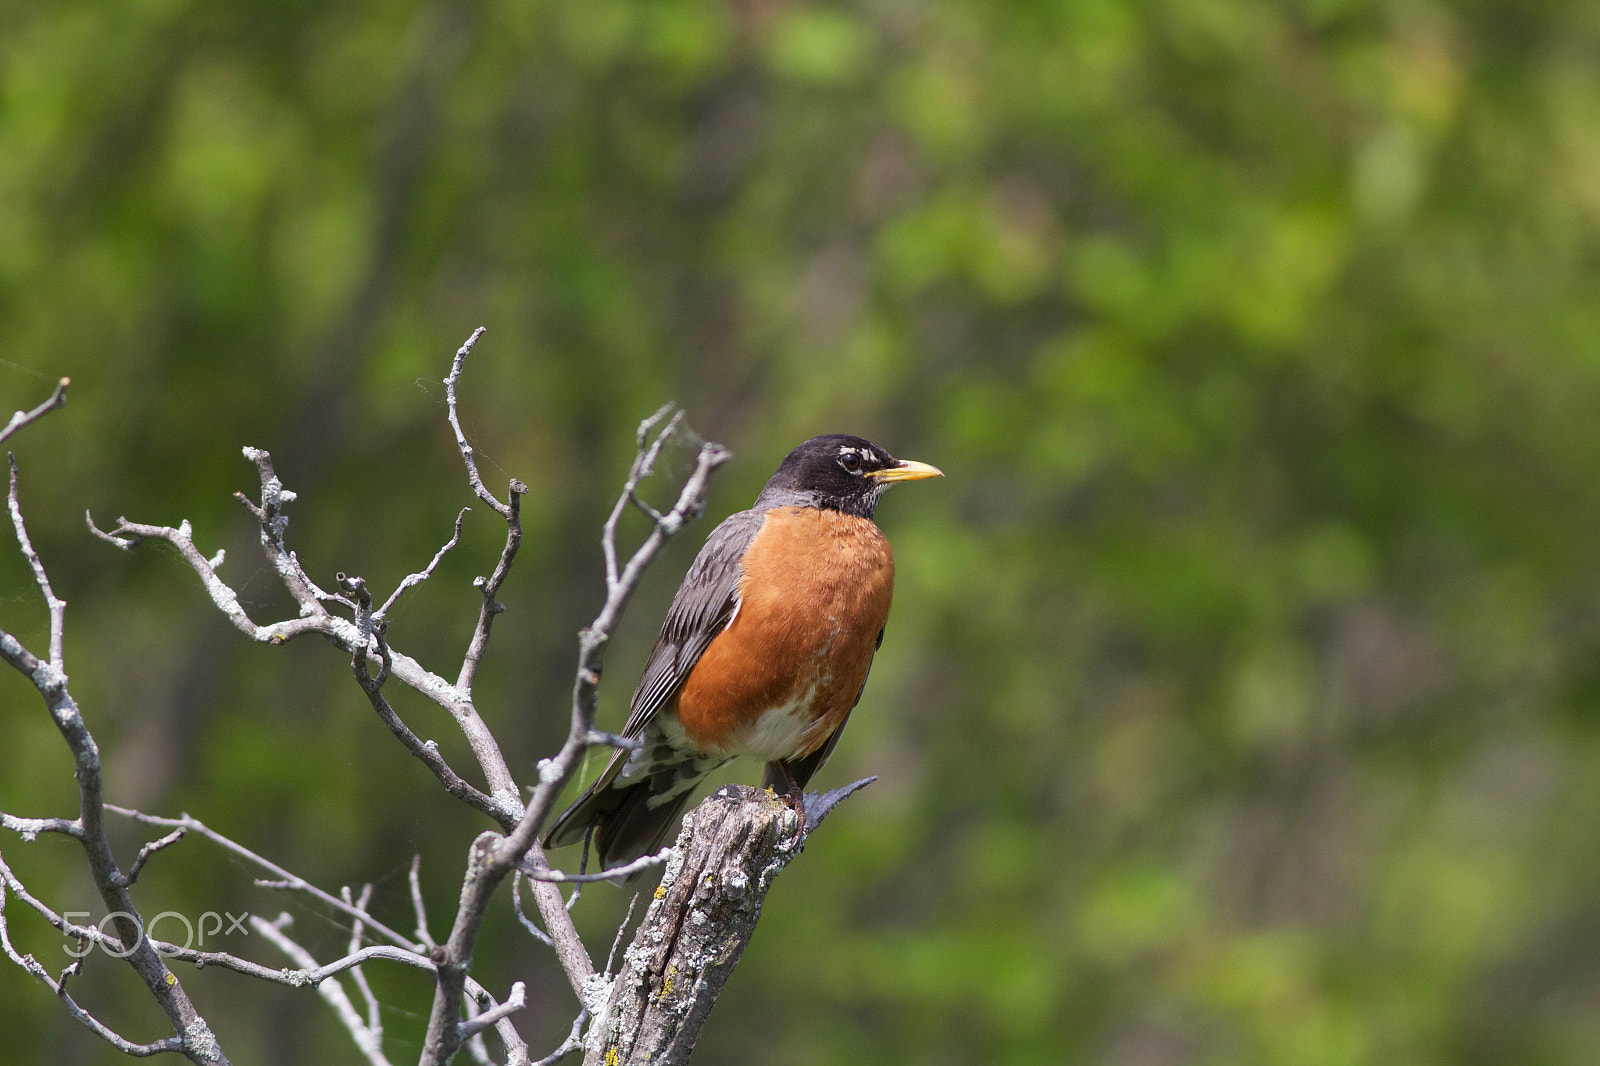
[(626, 825)]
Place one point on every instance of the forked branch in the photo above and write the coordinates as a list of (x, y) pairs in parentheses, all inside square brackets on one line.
[(492, 856)]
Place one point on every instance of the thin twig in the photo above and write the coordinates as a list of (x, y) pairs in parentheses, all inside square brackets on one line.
[(423, 936), (490, 586), (274, 523), (78, 1014), (374, 1024), (545, 873), (425, 750), (412, 953), (57, 398), (313, 974), (87, 933), (643, 465), (516, 906), (407, 952), (572, 1043), (563, 935), (30, 828), (284, 879), (127, 535), (622, 927), (511, 511), (455, 423), (474, 1044), (412, 580), (149, 850), (310, 975), (513, 1003), (368, 1038), (56, 605)]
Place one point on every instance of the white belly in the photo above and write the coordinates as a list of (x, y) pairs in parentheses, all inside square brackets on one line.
[(777, 733)]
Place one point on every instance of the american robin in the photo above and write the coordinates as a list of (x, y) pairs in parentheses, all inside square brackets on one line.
[(764, 651)]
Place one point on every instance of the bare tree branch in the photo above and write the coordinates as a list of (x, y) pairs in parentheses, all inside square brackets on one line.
[(478, 1000), (119, 948), (362, 638), (274, 522), (56, 605), (643, 466), (30, 828), (368, 1037), (283, 878), (622, 927), (127, 535), (598, 738), (415, 954), (374, 1023), (309, 977), (515, 1002), (522, 917), (78, 1014), (493, 856), (477, 1050), (423, 936), (367, 1033), (572, 1043), (315, 618), (58, 398), (412, 580), (195, 1038), (462, 1010), (511, 511), (149, 850), (489, 586), (450, 380), (426, 751)]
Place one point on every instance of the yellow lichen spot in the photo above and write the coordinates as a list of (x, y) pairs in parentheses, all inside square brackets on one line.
[(661, 891), (172, 979), (612, 1059), (666, 982)]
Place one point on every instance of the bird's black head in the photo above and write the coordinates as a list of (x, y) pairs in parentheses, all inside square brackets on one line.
[(838, 472)]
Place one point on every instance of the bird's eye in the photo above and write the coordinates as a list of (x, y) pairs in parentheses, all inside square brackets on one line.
[(851, 461)]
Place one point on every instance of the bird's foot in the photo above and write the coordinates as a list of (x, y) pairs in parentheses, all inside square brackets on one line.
[(795, 797)]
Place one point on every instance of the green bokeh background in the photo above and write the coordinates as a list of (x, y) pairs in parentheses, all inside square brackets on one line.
[(1240, 703)]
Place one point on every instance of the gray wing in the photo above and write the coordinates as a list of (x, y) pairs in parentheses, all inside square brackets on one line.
[(703, 607)]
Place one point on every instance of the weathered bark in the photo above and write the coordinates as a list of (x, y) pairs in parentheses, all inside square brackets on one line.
[(731, 848)]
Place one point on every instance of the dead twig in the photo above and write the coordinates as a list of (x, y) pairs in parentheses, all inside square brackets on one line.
[(58, 398)]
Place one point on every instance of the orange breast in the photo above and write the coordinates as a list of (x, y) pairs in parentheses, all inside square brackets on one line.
[(782, 677)]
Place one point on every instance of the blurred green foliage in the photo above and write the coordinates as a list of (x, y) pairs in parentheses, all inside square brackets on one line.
[(1240, 702)]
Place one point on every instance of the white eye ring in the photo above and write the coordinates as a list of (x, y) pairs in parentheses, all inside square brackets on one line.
[(850, 459)]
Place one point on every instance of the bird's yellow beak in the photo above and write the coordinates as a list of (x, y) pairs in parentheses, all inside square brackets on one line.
[(906, 470)]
